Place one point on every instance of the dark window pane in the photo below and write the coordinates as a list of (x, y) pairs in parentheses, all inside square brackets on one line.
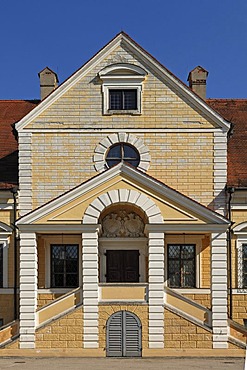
[(71, 266), (244, 265), (64, 265), (58, 266), (244, 250), (244, 280), (58, 280), (116, 99), (123, 99), (130, 99), (115, 152), (181, 266), (122, 152), (71, 280), (129, 151)]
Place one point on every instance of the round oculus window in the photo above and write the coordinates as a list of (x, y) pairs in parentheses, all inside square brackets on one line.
[(122, 152)]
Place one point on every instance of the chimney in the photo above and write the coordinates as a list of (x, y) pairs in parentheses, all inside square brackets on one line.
[(197, 81), (48, 82)]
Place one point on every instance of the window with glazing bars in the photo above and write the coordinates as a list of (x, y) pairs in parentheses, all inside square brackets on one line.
[(64, 265), (123, 99), (122, 152), (244, 266), (1, 265), (182, 265)]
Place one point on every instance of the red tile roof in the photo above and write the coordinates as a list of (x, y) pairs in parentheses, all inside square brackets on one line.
[(11, 111), (235, 111)]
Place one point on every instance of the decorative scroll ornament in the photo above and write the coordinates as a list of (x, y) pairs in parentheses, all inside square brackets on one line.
[(122, 224)]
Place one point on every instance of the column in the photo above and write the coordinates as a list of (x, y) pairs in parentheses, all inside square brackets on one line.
[(156, 289), (90, 288), (219, 290), (28, 289)]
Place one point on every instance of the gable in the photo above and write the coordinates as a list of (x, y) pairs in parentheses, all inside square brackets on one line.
[(81, 93)]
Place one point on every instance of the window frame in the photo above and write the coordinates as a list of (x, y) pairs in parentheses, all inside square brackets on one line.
[(122, 157), (65, 273), (140, 244), (186, 239), (106, 99), (241, 240), (123, 95), (59, 239), (122, 137), (180, 262), (5, 246), (122, 76)]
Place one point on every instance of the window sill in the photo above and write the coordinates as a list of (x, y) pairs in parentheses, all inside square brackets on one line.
[(122, 112)]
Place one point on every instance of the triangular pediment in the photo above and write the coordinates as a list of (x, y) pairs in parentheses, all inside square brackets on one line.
[(175, 208), (124, 42)]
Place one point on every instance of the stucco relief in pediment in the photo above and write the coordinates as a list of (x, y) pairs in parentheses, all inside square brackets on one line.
[(122, 224)]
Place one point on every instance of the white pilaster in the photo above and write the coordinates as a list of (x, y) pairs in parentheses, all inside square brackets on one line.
[(25, 172), (219, 290), (156, 289), (90, 288), (220, 171), (28, 289)]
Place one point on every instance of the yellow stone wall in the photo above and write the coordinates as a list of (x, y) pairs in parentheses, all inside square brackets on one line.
[(105, 311), (7, 300), (239, 305), (205, 263), (202, 299), (6, 216), (46, 298), (67, 157), (66, 332), (64, 164), (180, 333), (7, 308)]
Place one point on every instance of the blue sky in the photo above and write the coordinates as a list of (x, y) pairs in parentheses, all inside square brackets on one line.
[(181, 34)]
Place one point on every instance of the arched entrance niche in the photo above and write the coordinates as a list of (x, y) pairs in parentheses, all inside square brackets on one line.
[(123, 245), (123, 335)]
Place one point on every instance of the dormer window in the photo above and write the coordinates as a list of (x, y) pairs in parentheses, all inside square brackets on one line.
[(122, 86)]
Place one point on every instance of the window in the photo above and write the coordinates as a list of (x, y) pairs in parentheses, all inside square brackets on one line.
[(244, 266), (1, 265), (1, 322), (181, 265), (122, 85), (123, 99), (64, 265), (122, 152)]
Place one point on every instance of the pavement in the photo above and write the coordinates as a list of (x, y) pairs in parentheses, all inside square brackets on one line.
[(25, 363)]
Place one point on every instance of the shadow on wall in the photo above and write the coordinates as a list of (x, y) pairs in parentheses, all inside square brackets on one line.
[(9, 168)]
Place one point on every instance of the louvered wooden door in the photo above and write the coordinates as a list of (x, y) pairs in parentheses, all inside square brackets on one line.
[(123, 335)]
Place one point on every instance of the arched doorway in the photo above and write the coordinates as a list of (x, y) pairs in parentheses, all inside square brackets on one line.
[(123, 335), (123, 245)]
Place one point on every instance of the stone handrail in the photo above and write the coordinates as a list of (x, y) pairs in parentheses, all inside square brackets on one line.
[(237, 331), (9, 331), (188, 306), (60, 306)]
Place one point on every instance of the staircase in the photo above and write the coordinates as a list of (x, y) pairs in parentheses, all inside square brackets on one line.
[(188, 309), (48, 313), (60, 307), (202, 316), (9, 333), (238, 334)]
